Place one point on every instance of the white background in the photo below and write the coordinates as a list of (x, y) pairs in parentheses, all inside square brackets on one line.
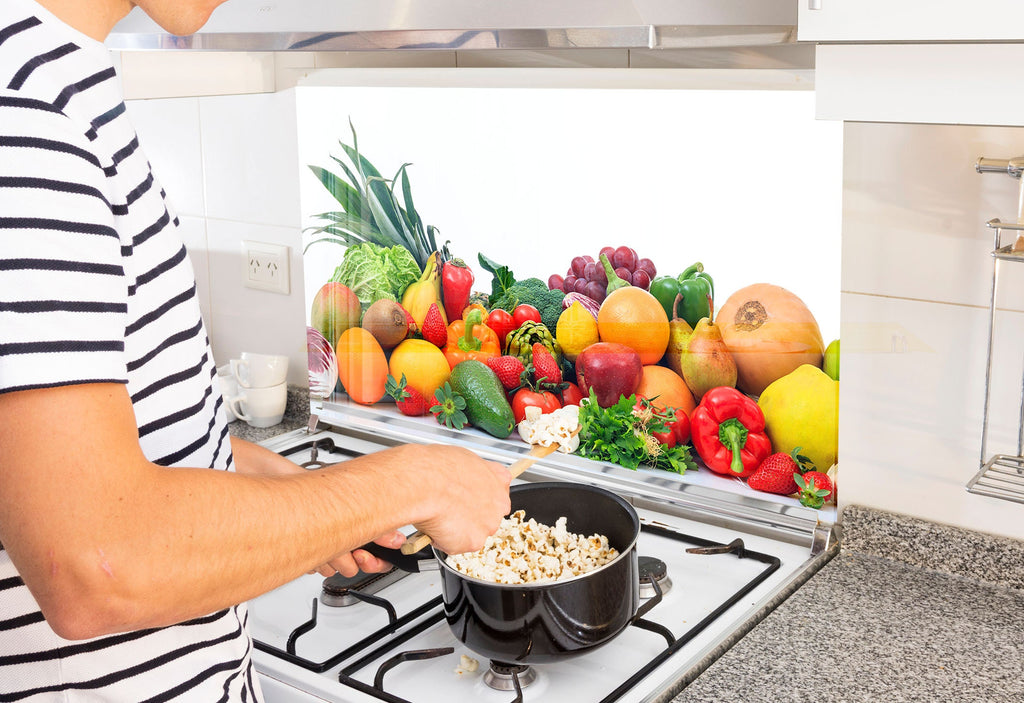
[(745, 181)]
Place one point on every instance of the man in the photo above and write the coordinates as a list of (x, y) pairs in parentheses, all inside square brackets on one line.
[(124, 555)]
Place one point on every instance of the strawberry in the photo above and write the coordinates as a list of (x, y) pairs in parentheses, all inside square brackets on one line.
[(815, 488), (509, 370), (409, 400), (545, 366), (434, 330), (776, 473)]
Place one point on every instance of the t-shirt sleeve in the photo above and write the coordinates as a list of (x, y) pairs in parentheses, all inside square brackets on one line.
[(63, 290)]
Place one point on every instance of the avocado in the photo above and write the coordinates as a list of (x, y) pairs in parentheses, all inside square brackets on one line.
[(486, 405)]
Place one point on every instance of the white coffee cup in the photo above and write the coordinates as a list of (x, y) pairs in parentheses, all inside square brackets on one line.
[(228, 387), (260, 370), (260, 407)]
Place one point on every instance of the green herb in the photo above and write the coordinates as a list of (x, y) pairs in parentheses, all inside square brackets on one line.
[(449, 408), (503, 278), (618, 435)]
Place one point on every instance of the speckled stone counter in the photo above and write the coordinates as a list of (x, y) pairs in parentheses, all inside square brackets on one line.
[(908, 611), (296, 414)]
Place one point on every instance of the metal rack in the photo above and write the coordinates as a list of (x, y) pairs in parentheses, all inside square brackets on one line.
[(1001, 475)]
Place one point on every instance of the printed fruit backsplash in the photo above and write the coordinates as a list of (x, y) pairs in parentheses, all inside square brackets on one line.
[(623, 356)]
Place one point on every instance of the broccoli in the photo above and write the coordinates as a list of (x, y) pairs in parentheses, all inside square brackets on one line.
[(535, 292)]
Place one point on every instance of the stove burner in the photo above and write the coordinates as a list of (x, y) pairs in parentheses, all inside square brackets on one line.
[(338, 591), (501, 676), (653, 568)]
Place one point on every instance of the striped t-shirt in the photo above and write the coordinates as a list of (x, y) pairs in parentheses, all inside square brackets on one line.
[(96, 286)]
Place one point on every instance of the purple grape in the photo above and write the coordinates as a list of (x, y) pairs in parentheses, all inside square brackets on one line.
[(590, 271), (569, 284), (579, 285), (641, 279), (648, 266), (556, 282), (588, 258), (594, 290), (600, 275), (624, 257), (625, 275), (578, 264), (608, 251)]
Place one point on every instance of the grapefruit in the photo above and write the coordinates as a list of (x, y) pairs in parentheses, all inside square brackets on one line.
[(634, 317)]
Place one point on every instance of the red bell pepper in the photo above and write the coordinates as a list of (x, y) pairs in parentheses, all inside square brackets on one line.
[(470, 339), (728, 432), (456, 286)]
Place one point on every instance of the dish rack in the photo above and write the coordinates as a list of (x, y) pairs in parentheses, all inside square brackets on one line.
[(1001, 475)]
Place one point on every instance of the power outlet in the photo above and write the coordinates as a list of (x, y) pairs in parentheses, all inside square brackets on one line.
[(265, 267)]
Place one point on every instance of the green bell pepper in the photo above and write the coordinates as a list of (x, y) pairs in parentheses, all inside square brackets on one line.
[(698, 291), (665, 289)]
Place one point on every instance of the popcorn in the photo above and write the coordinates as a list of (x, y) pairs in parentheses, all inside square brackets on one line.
[(556, 427), (525, 551)]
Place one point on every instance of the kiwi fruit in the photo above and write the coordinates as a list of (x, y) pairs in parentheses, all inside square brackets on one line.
[(386, 321)]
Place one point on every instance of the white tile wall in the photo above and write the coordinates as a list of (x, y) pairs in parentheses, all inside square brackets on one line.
[(916, 285)]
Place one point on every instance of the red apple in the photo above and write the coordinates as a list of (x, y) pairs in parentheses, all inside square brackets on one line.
[(611, 369)]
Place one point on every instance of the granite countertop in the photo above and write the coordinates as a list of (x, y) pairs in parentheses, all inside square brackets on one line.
[(296, 415), (907, 611)]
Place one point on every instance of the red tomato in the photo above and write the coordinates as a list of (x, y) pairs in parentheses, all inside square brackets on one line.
[(525, 312), (572, 395), (526, 397), (502, 323), (667, 438), (681, 427)]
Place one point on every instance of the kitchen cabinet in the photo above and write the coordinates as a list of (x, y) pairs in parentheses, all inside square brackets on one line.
[(922, 20)]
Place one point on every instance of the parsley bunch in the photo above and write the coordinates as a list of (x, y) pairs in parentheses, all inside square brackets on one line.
[(618, 435)]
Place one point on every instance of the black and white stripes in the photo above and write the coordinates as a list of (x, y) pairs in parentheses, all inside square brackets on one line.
[(96, 287)]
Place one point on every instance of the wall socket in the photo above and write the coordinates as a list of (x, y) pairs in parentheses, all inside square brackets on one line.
[(265, 267)]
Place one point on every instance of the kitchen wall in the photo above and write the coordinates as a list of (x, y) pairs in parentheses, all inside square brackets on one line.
[(916, 281)]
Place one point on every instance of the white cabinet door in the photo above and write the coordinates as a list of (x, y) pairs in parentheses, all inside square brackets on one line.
[(910, 20)]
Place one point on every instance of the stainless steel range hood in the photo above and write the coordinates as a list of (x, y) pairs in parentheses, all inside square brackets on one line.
[(374, 25)]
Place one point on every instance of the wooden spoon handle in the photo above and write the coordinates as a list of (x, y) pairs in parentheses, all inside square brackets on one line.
[(418, 540)]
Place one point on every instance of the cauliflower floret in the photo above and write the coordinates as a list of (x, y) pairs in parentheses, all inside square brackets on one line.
[(557, 427)]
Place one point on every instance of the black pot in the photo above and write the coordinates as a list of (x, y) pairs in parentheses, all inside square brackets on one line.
[(544, 622)]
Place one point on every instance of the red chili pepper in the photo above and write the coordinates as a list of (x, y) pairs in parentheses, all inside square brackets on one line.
[(456, 286), (501, 322), (728, 432)]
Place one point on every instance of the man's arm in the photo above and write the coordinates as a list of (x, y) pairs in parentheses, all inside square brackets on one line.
[(98, 532), (253, 459)]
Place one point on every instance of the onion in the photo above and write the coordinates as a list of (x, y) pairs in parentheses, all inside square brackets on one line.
[(322, 363)]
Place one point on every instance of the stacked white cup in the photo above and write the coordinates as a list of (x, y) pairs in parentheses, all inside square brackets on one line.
[(262, 390)]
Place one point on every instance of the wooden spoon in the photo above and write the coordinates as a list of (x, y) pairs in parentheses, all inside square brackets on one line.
[(418, 540)]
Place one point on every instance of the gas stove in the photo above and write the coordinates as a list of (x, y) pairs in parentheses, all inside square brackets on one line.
[(713, 563)]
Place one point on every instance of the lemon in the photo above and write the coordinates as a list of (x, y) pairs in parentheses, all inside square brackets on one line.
[(576, 330), (801, 409)]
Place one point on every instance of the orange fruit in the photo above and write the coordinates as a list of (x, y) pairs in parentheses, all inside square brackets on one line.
[(666, 389), (362, 366), (423, 364), (634, 317)]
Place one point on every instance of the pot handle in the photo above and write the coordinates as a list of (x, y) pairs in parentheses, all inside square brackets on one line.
[(646, 607), (414, 563)]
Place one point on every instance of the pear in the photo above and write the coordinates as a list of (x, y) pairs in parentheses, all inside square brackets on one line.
[(706, 362), (679, 332)]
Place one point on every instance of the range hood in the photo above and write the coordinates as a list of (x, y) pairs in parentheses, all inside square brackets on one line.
[(375, 25)]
